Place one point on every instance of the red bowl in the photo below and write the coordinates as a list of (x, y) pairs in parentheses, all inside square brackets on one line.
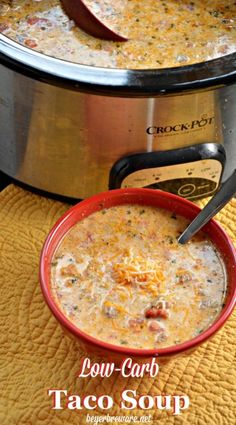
[(143, 197)]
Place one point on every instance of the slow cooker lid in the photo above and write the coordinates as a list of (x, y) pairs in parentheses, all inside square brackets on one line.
[(146, 82)]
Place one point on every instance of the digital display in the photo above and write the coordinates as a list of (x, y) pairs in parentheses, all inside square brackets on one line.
[(188, 188)]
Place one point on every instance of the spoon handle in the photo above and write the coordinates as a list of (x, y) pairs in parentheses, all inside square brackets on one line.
[(219, 200)]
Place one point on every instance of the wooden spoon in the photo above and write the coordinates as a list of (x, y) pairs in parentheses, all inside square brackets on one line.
[(86, 20)]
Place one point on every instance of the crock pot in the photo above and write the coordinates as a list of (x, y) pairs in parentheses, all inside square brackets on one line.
[(75, 130)]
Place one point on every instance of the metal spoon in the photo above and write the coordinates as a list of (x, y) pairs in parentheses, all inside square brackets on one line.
[(85, 19), (219, 200)]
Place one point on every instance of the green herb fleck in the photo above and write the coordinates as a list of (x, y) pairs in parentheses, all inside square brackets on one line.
[(170, 239), (215, 13), (74, 280)]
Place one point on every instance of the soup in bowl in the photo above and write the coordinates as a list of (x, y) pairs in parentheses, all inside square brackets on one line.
[(114, 275)]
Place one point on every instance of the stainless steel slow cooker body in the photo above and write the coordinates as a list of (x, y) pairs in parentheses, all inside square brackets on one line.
[(64, 125)]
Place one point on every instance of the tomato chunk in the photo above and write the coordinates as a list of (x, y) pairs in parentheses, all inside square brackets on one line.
[(154, 312), (30, 43), (3, 27)]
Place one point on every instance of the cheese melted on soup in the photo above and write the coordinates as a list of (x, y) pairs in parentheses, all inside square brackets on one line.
[(161, 33), (120, 276)]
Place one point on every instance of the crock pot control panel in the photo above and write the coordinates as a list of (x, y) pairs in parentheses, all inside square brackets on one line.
[(192, 172)]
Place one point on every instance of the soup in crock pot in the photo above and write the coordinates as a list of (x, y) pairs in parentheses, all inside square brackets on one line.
[(120, 276), (161, 33)]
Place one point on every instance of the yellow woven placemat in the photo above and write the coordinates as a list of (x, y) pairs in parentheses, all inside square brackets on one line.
[(35, 355)]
